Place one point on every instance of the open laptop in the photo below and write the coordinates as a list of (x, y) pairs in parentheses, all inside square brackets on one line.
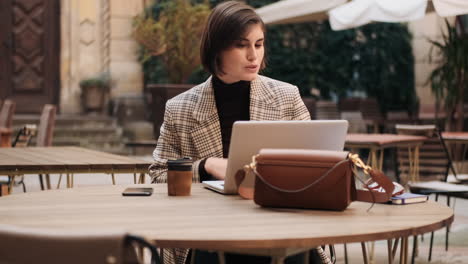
[(248, 137)]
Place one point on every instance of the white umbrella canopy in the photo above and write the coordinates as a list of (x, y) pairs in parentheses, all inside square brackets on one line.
[(297, 11), (360, 12), (344, 14)]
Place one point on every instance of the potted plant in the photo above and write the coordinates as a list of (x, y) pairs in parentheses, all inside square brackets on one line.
[(450, 78), (170, 31), (94, 92)]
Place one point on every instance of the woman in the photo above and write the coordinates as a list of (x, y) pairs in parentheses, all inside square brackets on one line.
[(198, 123)]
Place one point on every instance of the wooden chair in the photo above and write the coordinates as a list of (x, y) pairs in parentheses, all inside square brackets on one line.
[(45, 134), (371, 113), (22, 139), (6, 120), (434, 166), (310, 103), (24, 136), (28, 245), (327, 110), (6, 113)]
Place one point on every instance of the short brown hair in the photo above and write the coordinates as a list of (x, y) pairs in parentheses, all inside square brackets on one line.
[(227, 23)]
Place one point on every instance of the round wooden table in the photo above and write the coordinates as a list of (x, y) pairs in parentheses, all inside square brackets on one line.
[(208, 220)]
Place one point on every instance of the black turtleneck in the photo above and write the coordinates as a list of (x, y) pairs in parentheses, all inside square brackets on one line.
[(232, 102)]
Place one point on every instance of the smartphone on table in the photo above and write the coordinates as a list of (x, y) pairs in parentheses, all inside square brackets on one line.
[(137, 191)]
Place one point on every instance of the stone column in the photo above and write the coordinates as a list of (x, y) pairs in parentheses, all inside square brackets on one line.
[(96, 38)]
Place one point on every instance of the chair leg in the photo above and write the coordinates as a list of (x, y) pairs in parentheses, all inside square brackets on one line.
[(113, 178), (24, 186), (41, 182), (447, 227)]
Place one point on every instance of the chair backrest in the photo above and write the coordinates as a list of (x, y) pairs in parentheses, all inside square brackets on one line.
[(370, 109), (310, 104), (327, 110), (6, 113), (46, 126), (356, 122), (434, 160), (29, 245), (350, 104)]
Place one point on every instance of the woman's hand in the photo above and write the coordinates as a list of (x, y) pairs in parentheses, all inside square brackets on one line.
[(216, 167)]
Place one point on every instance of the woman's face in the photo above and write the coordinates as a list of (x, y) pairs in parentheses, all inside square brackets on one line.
[(242, 61)]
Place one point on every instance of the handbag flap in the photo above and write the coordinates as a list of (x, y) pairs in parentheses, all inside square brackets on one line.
[(301, 157)]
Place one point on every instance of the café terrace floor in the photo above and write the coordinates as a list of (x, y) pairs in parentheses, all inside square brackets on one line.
[(458, 247)]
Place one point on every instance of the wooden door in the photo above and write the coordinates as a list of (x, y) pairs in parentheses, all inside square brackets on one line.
[(29, 53)]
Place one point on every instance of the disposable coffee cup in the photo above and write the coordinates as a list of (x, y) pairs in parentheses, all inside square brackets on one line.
[(179, 177)]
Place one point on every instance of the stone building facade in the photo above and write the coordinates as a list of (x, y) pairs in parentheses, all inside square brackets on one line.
[(95, 38)]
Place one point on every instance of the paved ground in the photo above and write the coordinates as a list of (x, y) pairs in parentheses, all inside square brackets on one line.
[(458, 247)]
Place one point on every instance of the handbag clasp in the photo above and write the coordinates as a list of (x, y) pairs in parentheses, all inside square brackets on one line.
[(359, 163)]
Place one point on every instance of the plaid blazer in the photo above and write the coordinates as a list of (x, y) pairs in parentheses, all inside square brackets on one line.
[(191, 125), (191, 128)]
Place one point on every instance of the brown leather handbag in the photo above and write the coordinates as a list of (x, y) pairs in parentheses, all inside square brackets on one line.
[(313, 179)]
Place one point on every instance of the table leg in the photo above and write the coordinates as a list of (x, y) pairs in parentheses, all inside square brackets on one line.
[(380, 163), (41, 181), (371, 251), (306, 257), (113, 178), (68, 180), (142, 178), (462, 165), (395, 248), (411, 165), (59, 181), (221, 258), (47, 177), (345, 254), (12, 181), (416, 163), (404, 250), (277, 260), (415, 249), (134, 178), (372, 158), (389, 251), (364, 252)]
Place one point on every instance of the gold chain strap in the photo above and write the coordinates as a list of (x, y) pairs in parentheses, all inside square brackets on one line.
[(353, 157)]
